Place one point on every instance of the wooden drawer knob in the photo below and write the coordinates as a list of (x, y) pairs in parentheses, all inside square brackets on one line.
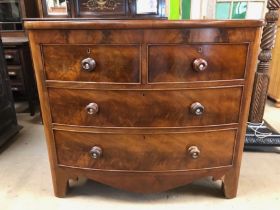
[(14, 88), (200, 65), (9, 57), (92, 109), (88, 64), (194, 152), (197, 109), (96, 152), (12, 73)]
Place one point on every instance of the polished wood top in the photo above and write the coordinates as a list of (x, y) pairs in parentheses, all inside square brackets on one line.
[(137, 24)]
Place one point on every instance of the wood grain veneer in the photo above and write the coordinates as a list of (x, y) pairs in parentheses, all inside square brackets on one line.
[(161, 59), (145, 117), (147, 152), (114, 63), (145, 108)]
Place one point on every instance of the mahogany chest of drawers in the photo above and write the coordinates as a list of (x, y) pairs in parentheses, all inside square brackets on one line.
[(145, 105)]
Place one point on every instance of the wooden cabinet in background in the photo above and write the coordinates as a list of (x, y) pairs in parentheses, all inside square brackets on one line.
[(13, 11), (8, 121), (274, 72), (20, 70), (16, 48)]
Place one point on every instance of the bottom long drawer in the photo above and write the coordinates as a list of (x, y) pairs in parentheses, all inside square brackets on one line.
[(145, 152)]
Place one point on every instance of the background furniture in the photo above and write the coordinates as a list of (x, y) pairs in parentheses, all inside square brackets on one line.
[(145, 101), (274, 72), (16, 48), (261, 83), (8, 121), (102, 8), (12, 13), (20, 70)]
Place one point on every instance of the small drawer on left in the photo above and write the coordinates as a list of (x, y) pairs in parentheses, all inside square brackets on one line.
[(12, 56), (92, 63), (15, 73)]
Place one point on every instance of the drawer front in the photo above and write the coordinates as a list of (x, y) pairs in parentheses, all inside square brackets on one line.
[(180, 63), (17, 87), (12, 56), (112, 63), (15, 73), (145, 152), (145, 108)]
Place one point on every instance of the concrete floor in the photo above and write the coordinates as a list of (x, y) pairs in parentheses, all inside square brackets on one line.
[(25, 183), (272, 115)]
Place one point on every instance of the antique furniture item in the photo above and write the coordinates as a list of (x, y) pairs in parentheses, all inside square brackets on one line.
[(129, 9), (145, 105), (8, 120), (12, 12), (20, 70), (261, 83), (274, 72), (16, 48)]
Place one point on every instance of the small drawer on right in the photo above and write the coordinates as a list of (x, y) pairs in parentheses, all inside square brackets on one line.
[(177, 63)]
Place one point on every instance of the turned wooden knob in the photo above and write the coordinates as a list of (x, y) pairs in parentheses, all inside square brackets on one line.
[(194, 152), (88, 64), (96, 152), (197, 109), (92, 109), (9, 57), (200, 65)]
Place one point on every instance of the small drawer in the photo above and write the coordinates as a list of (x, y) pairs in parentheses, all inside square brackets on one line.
[(190, 63), (12, 56), (145, 152), (146, 108), (15, 73), (16, 87), (92, 63)]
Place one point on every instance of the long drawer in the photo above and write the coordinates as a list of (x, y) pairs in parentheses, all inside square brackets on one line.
[(145, 152), (196, 62), (92, 63), (146, 108)]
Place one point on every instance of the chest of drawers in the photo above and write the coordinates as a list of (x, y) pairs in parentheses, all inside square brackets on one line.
[(145, 105)]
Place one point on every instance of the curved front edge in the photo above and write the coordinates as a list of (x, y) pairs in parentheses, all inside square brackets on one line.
[(146, 182)]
